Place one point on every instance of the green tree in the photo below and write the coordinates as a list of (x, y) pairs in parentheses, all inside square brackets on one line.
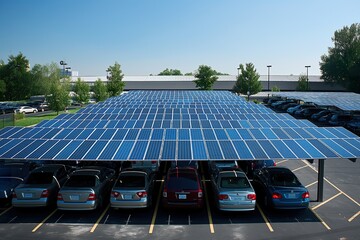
[(302, 83), (342, 64), (206, 77), (275, 89), (100, 90), (247, 82), (59, 98), (115, 84), (82, 91), (189, 74), (17, 78), (2, 89), (170, 72)]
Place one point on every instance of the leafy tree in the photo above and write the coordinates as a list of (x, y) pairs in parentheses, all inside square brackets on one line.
[(115, 84), (275, 89), (189, 74), (206, 77), (342, 64), (100, 90), (2, 88), (302, 83), (220, 73), (17, 78), (82, 91), (59, 98), (248, 81), (170, 72)]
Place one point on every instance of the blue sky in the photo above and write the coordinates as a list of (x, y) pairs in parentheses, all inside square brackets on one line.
[(147, 36)]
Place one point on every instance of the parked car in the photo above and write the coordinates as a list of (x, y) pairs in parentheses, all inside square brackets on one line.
[(292, 110), (281, 189), (182, 189), (222, 164), (41, 107), (288, 105), (41, 186), (279, 104), (340, 119), (273, 99), (251, 165), (87, 189), (8, 107), (298, 112), (180, 164), (306, 112), (326, 118), (354, 126), (26, 109), (11, 175), (232, 191), (133, 189), (318, 115)]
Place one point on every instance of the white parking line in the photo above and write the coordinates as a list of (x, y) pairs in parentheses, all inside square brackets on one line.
[(189, 220), (99, 219), (353, 217), (169, 219), (12, 219), (8, 209), (267, 222), (40, 224), (313, 168), (320, 219), (281, 162), (128, 220), (309, 185), (328, 200), (300, 168)]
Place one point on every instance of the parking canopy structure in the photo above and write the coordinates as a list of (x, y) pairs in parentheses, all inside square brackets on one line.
[(177, 125)]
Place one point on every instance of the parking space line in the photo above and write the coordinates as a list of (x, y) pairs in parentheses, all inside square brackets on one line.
[(99, 219), (8, 209), (211, 224), (353, 217), (151, 229), (309, 185), (128, 220), (313, 168), (320, 219), (282, 161), (40, 224), (267, 222), (296, 169), (328, 200)]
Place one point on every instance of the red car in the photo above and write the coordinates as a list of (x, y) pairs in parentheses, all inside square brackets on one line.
[(182, 189)]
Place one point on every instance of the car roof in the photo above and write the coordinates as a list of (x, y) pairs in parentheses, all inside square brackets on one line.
[(233, 173), (275, 169), (49, 168)]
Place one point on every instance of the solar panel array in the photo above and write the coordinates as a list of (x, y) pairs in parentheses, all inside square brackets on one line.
[(342, 100), (176, 125)]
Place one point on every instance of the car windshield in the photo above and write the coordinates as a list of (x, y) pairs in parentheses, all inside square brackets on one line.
[(81, 181), (284, 180), (182, 180), (234, 182), (40, 178), (131, 181)]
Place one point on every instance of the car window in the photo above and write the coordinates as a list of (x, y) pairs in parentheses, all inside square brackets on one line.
[(284, 180), (183, 180), (81, 181), (131, 181), (234, 182), (40, 178)]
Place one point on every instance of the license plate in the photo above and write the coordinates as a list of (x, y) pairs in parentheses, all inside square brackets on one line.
[(28, 195), (239, 198), (127, 196), (291, 195), (182, 196), (75, 197)]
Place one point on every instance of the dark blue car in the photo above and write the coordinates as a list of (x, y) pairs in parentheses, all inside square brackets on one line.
[(280, 188)]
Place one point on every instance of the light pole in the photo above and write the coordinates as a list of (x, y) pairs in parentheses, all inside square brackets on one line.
[(268, 66), (63, 63), (238, 74), (307, 77)]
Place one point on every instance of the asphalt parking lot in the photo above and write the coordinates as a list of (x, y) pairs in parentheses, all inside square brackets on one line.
[(337, 217)]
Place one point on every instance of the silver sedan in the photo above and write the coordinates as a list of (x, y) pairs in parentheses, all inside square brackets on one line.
[(86, 189), (233, 191), (133, 189)]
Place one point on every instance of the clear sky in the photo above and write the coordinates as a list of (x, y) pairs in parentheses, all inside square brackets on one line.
[(147, 36)]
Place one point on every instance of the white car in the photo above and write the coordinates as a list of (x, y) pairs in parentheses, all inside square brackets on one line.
[(26, 109)]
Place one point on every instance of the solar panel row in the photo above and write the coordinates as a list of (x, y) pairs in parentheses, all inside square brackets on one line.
[(176, 125)]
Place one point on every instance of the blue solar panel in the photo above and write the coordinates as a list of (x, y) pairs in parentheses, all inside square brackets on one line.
[(153, 151), (196, 134), (184, 134), (314, 153), (209, 134), (322, 148), (169, 150), (81, 150), (9, 145), (350, 145), (132, 134), (120, 134), (228, 150), (256, 150), (96, 134), (139, 150), (245, 134), (270, 150), (93, 153), (283, 149), (68, 150), (124, 151), (257, 134), (299, 152), (280, 133), (199, 150), (157, 134), (214, 150), (33, 145), (110, 150), (242, 150), (184, 150), (269, 133)]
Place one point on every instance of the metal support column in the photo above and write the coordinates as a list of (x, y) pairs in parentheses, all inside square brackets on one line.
[(320, 191)]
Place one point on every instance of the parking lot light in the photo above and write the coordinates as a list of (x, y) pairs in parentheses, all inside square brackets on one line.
[(307, 77)]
